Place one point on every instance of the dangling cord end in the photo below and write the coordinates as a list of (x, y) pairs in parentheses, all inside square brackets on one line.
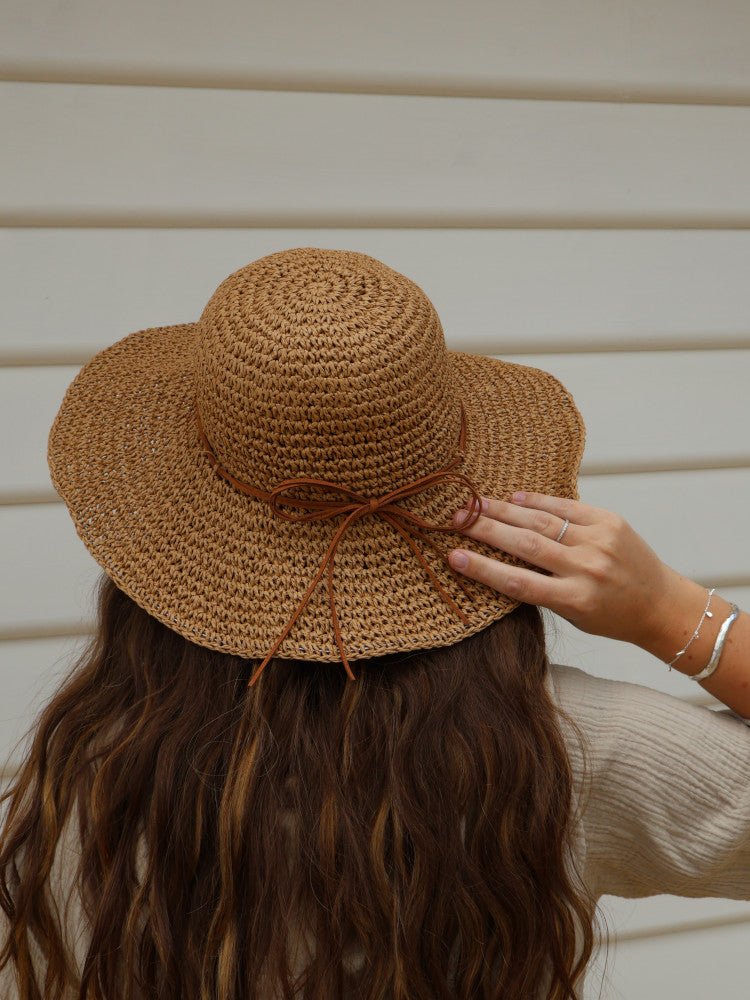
[(258, 672), (276, 645), (334, 616)]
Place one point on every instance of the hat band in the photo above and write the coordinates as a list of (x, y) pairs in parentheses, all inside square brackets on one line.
[(355, 505)]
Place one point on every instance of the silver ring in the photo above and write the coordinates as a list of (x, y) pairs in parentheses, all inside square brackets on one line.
[(564, 529)]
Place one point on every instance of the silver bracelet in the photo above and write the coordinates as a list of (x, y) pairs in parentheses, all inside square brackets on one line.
[(694, 636), (714, 661)]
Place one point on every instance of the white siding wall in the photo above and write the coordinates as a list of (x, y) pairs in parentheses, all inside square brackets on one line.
[(567, 182)]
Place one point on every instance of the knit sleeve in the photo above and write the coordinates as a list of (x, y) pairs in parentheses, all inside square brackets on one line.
[(668, 803)]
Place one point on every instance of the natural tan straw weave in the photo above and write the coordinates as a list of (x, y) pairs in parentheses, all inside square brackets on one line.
[(322, 364)]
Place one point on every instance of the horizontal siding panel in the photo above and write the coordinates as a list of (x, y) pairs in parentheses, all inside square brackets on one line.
[(198, 156), (696, 521), (627, 48), (656, 409), (693, 966), (49, 576), (496, 291), (49, 573), (692, 408), (29, 673), (631, 918)]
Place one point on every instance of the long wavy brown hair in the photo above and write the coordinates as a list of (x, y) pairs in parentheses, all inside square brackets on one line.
[(401, 836)]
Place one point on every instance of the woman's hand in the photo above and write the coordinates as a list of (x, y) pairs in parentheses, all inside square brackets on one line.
[(604, 578)]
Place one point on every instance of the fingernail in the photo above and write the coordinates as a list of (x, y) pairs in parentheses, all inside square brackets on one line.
[(458, 559), (519, 497)]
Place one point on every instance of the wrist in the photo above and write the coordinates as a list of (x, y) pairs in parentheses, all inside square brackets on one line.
[(674, 619)]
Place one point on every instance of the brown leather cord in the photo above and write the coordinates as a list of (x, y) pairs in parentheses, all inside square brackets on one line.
[(355, 506)]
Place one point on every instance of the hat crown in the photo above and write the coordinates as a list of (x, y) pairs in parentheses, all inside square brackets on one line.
[(325, 364)]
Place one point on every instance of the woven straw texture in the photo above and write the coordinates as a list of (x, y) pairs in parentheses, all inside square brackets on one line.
[(315, 363)]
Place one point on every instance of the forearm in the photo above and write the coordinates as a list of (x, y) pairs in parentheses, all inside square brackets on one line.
[(674, 624)]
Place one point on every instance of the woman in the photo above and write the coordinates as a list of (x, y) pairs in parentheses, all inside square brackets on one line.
[(250, 788)]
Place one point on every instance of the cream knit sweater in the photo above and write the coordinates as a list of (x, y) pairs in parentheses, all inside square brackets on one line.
[(668, 809)]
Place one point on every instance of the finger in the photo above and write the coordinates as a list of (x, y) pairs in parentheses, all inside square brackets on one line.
[(549, 525), (575, 511), (530, 546), (521, 584)]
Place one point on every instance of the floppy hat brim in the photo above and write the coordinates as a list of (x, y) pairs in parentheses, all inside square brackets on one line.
[(221, 569)]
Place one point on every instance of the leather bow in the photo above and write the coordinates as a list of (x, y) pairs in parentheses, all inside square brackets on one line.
[(354, 506)]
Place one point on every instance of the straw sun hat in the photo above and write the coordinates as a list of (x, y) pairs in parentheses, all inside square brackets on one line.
[(306, 364)]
